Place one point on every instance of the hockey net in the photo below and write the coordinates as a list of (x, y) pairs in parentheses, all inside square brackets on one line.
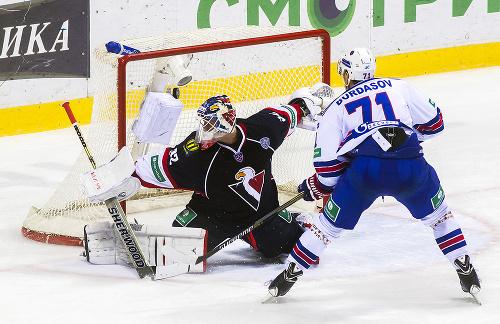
[(256, 67)]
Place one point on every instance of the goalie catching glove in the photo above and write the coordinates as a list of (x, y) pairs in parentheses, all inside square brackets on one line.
[(312, 189), (312, 101), (172, 250)]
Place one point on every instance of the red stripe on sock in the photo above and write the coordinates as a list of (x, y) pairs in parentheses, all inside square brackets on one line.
[(451, 241), (303, 256)]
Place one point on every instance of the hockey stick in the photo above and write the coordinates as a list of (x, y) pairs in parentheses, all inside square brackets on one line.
[(122, 225), (259, 222)]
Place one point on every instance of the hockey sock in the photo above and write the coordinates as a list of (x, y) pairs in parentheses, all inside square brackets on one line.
[(306, 251), (450, 238), (312, 243)]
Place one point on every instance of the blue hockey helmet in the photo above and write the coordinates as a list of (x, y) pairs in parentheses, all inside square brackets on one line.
[(217, 118)]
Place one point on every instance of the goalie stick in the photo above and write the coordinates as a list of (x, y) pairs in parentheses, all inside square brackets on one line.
[(116, 212), (259, 222)]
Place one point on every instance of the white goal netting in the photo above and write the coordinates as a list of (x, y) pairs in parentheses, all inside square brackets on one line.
[(254, 77)]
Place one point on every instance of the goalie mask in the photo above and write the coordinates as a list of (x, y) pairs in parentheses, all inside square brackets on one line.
[(217, 118), (359, 64)]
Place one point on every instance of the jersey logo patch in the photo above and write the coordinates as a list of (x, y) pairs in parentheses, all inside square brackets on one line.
[(265, 142), (438, 198), (190, 147), (331, 209), (317, 152), (238, 156), (249, 186), (155, 167)]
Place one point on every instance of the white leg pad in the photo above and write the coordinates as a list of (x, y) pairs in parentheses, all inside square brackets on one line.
[(171, 270), (184, 245), (172, 250)]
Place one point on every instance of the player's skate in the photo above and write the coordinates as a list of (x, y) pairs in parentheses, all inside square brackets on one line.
[(469, 280), (285, 280)]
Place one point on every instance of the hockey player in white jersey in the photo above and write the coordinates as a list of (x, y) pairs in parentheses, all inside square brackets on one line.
[(367, 146)]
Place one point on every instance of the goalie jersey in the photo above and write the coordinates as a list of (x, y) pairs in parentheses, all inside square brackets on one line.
[(233, 184)]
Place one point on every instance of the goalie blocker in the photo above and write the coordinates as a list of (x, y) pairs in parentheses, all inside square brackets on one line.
[(155, 124), (162, 246)]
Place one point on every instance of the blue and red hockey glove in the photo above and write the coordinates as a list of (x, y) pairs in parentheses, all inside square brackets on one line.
[(312, 189)]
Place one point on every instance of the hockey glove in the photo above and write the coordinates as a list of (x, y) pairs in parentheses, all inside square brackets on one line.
[(325, 92), (312, 189), (309, 105)]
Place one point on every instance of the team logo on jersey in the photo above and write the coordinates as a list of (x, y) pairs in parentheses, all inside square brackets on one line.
[(331, 209), (155, 167), (265, 142), (238, 156), (190, 147), (249, 186), (438, 198)]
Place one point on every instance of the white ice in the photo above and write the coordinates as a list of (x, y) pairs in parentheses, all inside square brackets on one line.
[(388, 270)]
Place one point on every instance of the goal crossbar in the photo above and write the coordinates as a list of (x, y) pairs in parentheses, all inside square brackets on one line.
[(123, 61)]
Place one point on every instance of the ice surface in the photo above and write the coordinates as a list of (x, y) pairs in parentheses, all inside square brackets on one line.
[(388, 270)]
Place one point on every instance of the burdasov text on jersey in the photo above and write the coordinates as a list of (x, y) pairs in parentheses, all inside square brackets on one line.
[(363, 88)]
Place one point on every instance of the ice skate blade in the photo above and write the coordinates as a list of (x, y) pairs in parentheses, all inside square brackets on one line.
[(270, 299), (475, 295), (275, 300), (474, 291)]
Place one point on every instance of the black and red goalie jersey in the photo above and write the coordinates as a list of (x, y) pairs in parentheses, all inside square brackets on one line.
[(233, 184)]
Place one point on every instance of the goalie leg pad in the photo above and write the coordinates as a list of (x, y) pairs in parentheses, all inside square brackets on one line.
[(171, 270), (163, 247), (103, 244), (184, 247)]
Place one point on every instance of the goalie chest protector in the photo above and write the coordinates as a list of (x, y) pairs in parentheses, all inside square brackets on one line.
[(234, 183)]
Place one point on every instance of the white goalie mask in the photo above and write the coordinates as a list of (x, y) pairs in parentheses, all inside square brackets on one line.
[(359, 64), (217, 118)]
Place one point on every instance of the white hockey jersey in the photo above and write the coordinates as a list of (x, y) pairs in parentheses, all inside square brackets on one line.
[(361, 111)]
